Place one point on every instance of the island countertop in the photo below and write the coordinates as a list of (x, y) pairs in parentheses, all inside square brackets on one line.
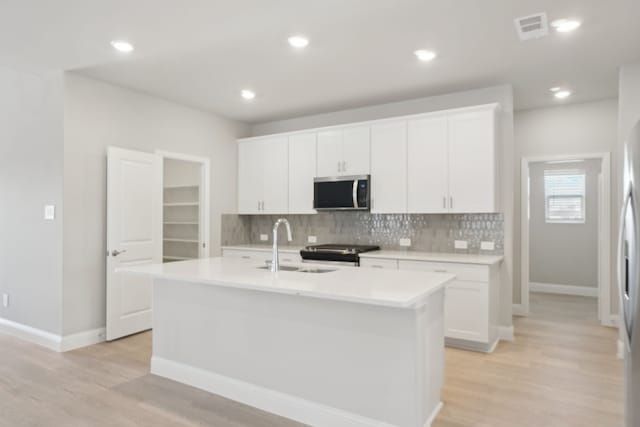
[(391, 288)]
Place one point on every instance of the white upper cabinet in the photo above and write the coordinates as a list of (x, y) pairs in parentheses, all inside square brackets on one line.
[(249, 177), (330, 153), (263, 176), (356, 157), (441, 162), (427, 165), (472, 162), (302, 171), (389, 167), (344, 151)]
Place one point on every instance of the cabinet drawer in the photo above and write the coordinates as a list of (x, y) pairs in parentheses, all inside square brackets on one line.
[(464, 272), (379, 263), (260, 256)]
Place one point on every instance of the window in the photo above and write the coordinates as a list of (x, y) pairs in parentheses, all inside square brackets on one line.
[(564, 194)]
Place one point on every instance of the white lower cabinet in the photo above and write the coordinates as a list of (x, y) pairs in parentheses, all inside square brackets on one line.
[(470, 304)]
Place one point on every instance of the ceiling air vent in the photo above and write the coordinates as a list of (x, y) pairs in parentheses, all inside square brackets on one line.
[(532, 26)]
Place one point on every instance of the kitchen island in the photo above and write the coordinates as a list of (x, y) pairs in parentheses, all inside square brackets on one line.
[(330, 347)]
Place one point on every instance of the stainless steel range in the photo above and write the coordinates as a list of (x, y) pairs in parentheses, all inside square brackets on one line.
[(336, 253)]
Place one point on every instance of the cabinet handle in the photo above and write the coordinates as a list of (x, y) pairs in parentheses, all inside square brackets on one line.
[(440, 271), (377, 266), (245, 257), (344, 166), (338, 166), (444, 202), (258, 204), (451, 202)]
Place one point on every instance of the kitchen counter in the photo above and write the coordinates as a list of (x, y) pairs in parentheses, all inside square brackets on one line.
[(385, 288), (435, 257), (352, 347)]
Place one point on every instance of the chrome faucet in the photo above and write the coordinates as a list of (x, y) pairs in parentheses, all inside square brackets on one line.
[(275, 263)]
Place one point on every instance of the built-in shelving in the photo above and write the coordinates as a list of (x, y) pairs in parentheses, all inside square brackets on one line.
[(181, 223)]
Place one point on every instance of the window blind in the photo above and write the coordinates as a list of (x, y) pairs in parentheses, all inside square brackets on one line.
[(564, 195)]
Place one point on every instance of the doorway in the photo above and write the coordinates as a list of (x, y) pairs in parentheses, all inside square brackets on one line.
[(565, 224), (185, 207)]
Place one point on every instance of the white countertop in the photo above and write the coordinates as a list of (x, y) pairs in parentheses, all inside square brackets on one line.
[(265, 248), (435, 257), (392, 288)]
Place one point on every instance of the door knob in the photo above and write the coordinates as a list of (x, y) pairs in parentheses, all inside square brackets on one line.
[(116, 252)]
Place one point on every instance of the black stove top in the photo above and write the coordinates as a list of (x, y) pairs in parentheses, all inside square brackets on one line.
[(336, 252)]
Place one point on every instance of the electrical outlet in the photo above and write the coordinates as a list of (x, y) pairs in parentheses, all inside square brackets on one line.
[(460, 244), (5, 300), (264, 237), (312, 239), (405, 242), (487, 246)]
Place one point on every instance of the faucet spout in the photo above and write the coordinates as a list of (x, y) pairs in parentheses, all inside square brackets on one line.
[(275, 261)]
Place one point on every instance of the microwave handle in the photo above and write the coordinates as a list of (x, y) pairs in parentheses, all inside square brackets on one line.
[(354, 194)]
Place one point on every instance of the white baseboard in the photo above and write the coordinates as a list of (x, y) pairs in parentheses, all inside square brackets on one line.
[(82, 339), (50, 340), (620, 352), (552, 288), (518, 310), (33, 335), (282, 404), (505, 333)]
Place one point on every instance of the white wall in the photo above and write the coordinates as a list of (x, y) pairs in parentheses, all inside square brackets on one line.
[(31, 163), (557, 248), (98, 115), (499, 94), (564, 130)]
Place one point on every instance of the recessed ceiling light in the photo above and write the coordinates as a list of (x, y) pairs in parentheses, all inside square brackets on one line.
[(565, 25), (298, 41), (425, 55), (247, 94), (122, 46), (562, 94), (555, 89)]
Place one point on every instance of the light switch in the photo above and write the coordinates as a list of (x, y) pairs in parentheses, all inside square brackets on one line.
[(49, 212), (312, 239), (264, 237), (460, 244), (405, 242)]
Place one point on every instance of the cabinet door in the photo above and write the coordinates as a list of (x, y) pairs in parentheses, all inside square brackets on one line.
[(249, 177), (427, 165), (356, 151), (302, 170), (330, 153), (389, 167), (472, 162), (275, 176), (466, 311)]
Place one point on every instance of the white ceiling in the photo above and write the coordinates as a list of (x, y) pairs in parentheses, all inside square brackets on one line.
[(202, 52)]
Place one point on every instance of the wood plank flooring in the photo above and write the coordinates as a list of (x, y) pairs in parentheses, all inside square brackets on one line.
[(560, 372)]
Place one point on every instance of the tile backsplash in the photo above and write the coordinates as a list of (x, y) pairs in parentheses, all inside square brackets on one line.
[(431, 233)]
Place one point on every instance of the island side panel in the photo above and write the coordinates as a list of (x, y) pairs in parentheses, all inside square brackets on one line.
[(361, 359)]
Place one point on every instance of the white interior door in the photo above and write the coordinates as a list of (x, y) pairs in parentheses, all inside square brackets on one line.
[(134, 236)]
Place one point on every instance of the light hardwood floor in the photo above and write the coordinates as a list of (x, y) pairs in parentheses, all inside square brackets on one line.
[(561, 371)]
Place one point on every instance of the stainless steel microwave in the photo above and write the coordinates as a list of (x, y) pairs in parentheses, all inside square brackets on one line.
[(342, 193)]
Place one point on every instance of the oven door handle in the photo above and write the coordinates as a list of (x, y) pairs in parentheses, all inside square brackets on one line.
[(354, 193)]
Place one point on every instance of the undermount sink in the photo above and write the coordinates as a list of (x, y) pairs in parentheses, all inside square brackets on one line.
[(300, 269)]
